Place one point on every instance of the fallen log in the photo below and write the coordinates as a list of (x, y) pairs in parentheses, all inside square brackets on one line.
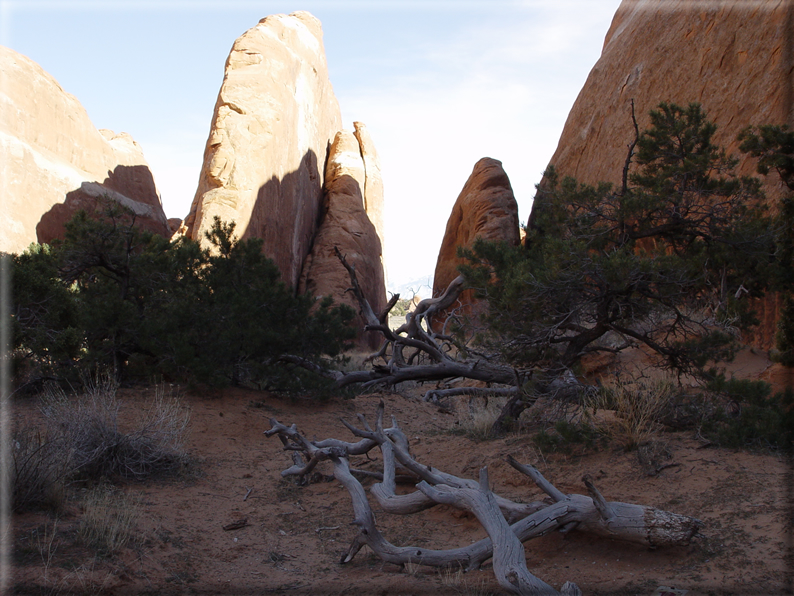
[(509, 524)]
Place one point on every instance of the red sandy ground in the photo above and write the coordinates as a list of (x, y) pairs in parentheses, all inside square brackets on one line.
[(295, 535)]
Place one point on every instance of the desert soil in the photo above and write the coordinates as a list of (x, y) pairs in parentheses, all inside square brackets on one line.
[(294, 535)]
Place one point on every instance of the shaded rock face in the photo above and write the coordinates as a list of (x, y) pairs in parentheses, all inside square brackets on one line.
[(275, 116), (485, 208), (54, 161), (346, 225), (734, 58)]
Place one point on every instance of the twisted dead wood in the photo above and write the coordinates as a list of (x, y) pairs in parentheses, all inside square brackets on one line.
[(635, 523)]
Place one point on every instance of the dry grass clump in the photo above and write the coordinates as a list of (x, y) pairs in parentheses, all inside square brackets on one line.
[(83, 438), (477, 422), (451, 577), (89, 426), (109, 518), (638, 405)]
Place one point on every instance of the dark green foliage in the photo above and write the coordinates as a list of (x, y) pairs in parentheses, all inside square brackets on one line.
[(774, 146), (116, 296), (114, 268), (785, 334), (750, 416), (566, 434), (44, 314), (658, 263)]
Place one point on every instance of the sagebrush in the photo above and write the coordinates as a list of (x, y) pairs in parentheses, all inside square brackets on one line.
[(99, 446)]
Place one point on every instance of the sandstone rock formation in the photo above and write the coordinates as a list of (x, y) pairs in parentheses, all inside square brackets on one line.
[(731, 57), (485, 208), (54, 161), (347, 226), (734, 58), (373, 183), (275, 116)]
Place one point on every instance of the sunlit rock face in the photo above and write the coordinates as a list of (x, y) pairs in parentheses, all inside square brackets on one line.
[(373, 183), (731, 57), (734, 58), (346, 226), (54, 161), (278, 164), (486, 208), (275, 117)]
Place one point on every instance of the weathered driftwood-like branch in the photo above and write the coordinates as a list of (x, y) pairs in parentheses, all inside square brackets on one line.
[(435, 395), (509, 559), (625, 521), (404, 349)]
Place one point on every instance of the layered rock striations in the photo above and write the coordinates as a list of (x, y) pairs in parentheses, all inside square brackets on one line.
[(347, 226), (54, 161), (274, 119), (485, 208), (734, 58)]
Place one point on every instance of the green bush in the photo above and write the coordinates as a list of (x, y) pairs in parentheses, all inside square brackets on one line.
[(566, 434), (114, 296), (654, 262), (750, 416)]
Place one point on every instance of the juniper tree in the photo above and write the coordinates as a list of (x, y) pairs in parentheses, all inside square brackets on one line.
[(773, 145), (665, 262), (116, 296)]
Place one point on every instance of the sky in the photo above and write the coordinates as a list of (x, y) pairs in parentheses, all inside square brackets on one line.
[(439, 84)]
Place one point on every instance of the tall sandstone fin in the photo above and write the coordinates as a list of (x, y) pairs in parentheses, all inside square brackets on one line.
[(275, 116), (347, 226), (734, 58), (55, 162), (486, 208), (373, 185)]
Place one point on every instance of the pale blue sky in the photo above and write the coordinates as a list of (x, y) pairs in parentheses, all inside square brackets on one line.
[(439, 84)]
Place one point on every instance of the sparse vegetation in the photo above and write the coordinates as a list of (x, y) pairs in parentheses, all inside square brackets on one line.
[(476, 422), (41, 468), (89, 428), (638, 405), (109, 517), (84, 439), (566, 434)]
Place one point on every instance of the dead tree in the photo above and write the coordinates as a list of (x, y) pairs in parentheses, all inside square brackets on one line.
[(416, 352), (508, 524)]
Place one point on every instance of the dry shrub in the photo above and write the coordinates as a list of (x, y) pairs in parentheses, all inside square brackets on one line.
[(40, 471), (477, 423), (89, 425), (109, 518), (638, 405)]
